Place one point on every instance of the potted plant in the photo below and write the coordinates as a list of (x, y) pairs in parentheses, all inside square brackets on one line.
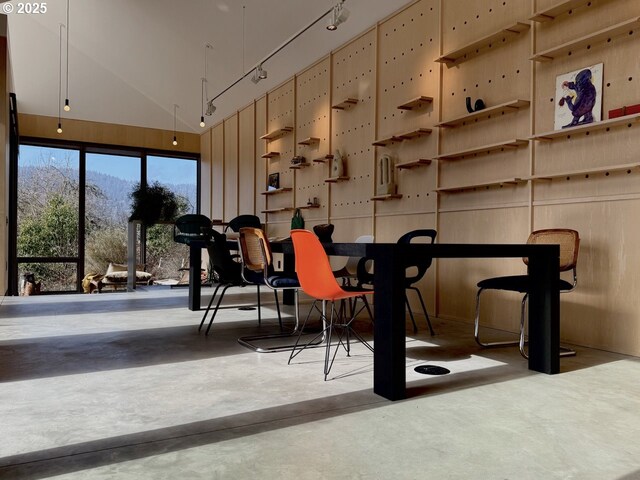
[(153, 203)]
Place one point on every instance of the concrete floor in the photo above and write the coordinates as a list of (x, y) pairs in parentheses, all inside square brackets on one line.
[(121, 385)]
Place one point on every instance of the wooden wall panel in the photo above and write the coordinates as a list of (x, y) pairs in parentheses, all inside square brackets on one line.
[(407, 48), (246, 160), (205, 173), (231, 167), (280, 114), (260, 148), (217, 172), (353, 127), (313, 88)]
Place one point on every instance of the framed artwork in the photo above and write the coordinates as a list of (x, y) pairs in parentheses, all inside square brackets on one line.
[(274, 181), (578, 97)]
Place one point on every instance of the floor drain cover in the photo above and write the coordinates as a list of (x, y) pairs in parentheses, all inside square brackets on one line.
[(246, 308), (431, 370)]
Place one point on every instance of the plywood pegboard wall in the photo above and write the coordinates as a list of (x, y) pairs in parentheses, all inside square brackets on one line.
[(246, 160)]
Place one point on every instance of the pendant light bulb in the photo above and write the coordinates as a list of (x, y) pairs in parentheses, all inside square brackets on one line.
[(67, 107), (59, 130), (175, 140), (202, 124)]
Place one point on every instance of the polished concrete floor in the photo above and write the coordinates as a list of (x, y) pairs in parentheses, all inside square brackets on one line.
[(122, 386)]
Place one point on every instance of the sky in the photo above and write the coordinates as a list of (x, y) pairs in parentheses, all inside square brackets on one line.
[(162, 169)]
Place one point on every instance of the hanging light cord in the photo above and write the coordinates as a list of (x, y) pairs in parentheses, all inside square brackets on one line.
[(60, 80), (67, 50), (274, 53)]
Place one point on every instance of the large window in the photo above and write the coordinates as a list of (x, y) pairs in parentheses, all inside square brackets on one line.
[(73, 206)]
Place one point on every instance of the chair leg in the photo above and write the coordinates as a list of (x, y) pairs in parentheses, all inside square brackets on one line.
[(424, 309), (275, 294), (477, 328), (208, 307), (314, 341), (216, 309), (413, 320), (259, 315)]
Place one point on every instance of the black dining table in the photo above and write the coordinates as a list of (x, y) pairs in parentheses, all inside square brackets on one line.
[(391, 259)]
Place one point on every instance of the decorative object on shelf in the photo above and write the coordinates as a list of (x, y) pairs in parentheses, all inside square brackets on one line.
[(313, 203), (386, 184), (297, 221), (337, 165), (324, 231), (298, 159), (479, 105), (579, 95), (626, 110), (274, 181), (152, 203)]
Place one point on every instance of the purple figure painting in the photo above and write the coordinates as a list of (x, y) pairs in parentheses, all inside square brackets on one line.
[(579, 101)]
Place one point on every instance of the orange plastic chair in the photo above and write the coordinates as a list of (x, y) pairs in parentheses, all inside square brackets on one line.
[(317, 280)]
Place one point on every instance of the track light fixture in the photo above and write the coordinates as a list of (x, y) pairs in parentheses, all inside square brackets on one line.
[(204, 95), (259, 74), (210, 108), (339, 15)]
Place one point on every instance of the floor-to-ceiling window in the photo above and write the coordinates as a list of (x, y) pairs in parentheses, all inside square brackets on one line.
[(73, 206)]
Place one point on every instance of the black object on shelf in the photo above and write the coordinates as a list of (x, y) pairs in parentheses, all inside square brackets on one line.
[(479, 105)]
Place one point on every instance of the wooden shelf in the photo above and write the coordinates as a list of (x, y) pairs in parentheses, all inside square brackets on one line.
[(276, 190), (388, 196), (589, 127), (600, 35), (507, 107), (298, 166), (270, 155), (550, 14), (515, 143), (457, 56), (324, 159), (410, 135), (587, 171), (416, 103), (306, 207), (277, 133), (309, 141), (345, 104), (278, 210), (495, 183), (413, 163), (336, 179)]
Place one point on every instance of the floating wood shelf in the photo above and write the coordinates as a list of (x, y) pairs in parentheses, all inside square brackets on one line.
[(298, 166), (413, 163), (270, 155), (512, 106), (345, 104), (588, 171), (601, 35), (324, 159), (410, 135), (277, 133), (416, 103), (460, 55), (558, 9), (589, 127), (278, 210), (495, 183), (388, 196), (276, 190), (515, 143), (336, 179), (306, 207), (309, 141)]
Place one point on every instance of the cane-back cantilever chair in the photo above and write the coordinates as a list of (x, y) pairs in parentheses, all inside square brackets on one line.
[(569, 242), (317, 280), (257, 260), (229, 274)]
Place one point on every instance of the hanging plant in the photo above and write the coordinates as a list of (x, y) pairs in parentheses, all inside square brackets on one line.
[(153, 203)]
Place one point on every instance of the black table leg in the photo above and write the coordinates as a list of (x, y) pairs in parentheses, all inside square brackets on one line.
[(544, 313), (195, 259), (288, 268), (389, 356)]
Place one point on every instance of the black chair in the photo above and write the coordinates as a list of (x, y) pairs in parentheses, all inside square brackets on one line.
[(229, 274), (240, 221), (365, 277), (192, 228)]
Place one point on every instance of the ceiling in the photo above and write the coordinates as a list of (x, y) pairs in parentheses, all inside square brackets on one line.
[(130, 61)]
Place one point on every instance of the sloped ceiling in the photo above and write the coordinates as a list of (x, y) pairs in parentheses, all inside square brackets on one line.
[(130, 61)]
